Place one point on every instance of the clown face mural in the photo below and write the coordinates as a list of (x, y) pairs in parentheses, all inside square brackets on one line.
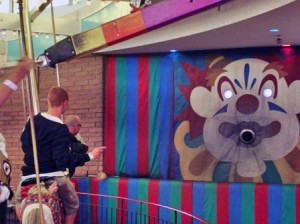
[(249, 117)]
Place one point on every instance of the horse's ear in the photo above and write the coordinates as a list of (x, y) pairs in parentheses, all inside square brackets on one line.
[(31, 214)]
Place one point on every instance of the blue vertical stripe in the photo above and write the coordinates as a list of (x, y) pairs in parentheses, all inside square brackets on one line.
[(103, 202), (235, 203), (165, 115), (164, 199), (275, 203), (198, 200), (133, 206), (84, 201), (131, 115)]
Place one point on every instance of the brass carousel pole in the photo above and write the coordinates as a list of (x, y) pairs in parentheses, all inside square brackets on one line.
[(31, 90), (54, 39)]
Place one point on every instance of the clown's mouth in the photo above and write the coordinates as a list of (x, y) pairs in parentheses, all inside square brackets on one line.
[(249, 133)]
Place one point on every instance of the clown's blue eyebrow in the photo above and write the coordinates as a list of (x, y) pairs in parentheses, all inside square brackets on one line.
[(238, 83), (246, 74), (253, 82), (246, 78)]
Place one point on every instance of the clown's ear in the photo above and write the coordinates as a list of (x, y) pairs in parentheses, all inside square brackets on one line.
[(203, 102), (294, 93)]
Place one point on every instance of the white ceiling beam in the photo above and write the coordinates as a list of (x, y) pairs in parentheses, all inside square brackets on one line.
[(41, 24), (39, 9)]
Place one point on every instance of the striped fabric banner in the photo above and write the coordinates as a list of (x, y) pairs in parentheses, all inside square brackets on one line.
[(85, 200), (218, 203), (138, 116)]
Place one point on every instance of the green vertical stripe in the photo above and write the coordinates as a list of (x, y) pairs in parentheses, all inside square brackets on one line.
[(121, 115), (112, 202), (288, 203), (247, 202), (154, 119), (175, 201), (210, 202), (143, 196)]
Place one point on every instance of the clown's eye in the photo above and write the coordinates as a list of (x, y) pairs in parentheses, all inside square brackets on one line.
[(226, 89), (267, 92), (6, 168), (228, 94), (268, 87)]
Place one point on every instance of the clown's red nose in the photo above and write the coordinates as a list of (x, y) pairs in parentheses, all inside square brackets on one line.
[(247, 104)]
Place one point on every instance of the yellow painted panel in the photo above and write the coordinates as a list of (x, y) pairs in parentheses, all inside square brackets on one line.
[(89, 41)]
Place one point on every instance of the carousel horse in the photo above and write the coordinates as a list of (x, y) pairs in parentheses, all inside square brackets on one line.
[(52, 205), (5, 171)]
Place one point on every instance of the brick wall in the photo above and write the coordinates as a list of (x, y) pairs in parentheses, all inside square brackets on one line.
[(83, 79)]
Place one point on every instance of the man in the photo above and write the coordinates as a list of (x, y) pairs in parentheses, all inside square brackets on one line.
[(54, 156), (77, 146), (74, 124)]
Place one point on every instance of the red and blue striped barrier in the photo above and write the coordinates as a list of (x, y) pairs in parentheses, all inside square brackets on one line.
[(215, 202)]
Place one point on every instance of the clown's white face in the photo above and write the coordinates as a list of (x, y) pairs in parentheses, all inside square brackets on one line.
[(250, 115)]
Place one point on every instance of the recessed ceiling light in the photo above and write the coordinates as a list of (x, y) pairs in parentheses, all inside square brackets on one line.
[(274, 30), (173, 50), (285, 45)]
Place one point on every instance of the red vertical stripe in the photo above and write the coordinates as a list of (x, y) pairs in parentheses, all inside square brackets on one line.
[(110, 118), (261, 203), (297, 204), (122, 204), (94, 199), (153, 197), (76, 184), (187, 201), (143, 117), (223, 203)]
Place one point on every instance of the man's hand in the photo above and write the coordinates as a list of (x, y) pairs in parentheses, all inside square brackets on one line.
[(21, 70), (96, 152)]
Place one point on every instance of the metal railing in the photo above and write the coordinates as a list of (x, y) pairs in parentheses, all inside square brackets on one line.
[(133, 211), (127, 210)]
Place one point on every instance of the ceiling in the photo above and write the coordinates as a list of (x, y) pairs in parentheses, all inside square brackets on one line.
[(234, 24)]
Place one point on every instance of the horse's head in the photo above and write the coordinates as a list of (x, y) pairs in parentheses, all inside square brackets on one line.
[(5, 169)]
